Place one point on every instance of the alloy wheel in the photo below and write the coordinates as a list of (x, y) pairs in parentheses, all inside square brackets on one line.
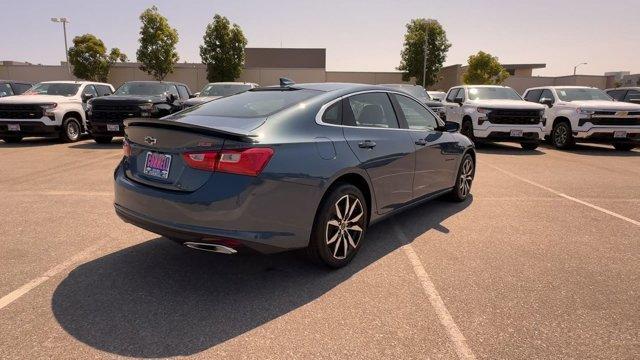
[(466, 177), (73, 130), (344, 229), (560, 135)]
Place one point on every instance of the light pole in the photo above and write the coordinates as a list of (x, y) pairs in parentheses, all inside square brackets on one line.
[(576, 67), (64, 22)]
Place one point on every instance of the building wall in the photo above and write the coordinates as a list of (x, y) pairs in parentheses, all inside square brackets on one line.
[(365, 77)]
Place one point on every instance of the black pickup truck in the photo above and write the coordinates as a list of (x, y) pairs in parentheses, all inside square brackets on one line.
[(152, 99)]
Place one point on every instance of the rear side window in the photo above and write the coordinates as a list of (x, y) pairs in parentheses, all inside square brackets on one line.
[(103, 90), (418, 118), (333, 114), (184, 93), (452, 94), (633, 95), (371, 110), (533, 95), (256, 103)]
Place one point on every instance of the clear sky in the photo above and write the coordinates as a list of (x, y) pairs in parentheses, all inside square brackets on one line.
[(358, 35)]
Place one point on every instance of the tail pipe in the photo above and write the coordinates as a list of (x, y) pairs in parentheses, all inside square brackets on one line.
[(215, 248)]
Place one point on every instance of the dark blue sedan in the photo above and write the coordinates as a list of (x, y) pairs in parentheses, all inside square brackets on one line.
[(296, 166)]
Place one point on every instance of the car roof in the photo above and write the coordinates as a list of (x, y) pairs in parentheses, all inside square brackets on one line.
[(232, 83), (73, 82), (481, 86), (561, 87), (624, 88), (155, 82), (15, 81)]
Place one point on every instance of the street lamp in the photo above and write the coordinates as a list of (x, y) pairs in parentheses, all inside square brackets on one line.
[(576, 67), (64, 22)]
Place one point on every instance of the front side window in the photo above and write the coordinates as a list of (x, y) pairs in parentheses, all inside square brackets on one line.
[(547, 94), (533, 95), (146, 89), (255, 103), (89, 89), (184, 93), (60, 89), (580, 94), (418, 118), (21, 88), (371, 110), (493, 93), (103, 90), (453, 93), (5, 90), (224, 89)]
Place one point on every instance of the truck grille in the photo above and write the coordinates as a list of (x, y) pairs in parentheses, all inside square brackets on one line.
[(619, 121), (20, 111), (109, 112), (514, 116)]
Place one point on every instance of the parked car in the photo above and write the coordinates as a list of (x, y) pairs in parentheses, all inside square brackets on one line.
[(51, 108), (299, 166), (625, 94), (437, 95), (488, 113), (152, 99), (10, 87), (421, 94), (213, 91), (586, 114)]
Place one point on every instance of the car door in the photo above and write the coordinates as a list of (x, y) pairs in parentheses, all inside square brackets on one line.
[(385, 151), (435, 167)]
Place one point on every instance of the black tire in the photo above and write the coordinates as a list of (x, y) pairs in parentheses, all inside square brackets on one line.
[(335, 238), (466, 129), (103, 139), (624, 147), (466, 173), (561, 135), (12, 139), (530, 145), (71, 130)]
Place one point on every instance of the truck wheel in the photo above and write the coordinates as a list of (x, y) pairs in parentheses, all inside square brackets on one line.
[(103, 139), (71, 130), (623, 147), (12, 139), (530, 145), (561, 136), (467, 130)]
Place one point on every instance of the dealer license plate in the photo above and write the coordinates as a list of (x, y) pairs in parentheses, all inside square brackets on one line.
[(157, 165)]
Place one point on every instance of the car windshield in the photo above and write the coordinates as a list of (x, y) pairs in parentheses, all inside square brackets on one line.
[(253, 103), (493, 93), (61, 89), (142, 88), (577, 94), (224, 89), (5, 90)]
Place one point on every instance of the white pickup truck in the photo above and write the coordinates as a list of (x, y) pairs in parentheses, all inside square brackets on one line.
[(491, 113), (586, 114), (51, 109)]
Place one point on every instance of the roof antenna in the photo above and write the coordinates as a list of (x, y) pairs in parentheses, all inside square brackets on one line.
[(286, 82)]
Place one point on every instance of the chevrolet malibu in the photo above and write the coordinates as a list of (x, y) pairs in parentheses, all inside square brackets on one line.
[(295, 166)]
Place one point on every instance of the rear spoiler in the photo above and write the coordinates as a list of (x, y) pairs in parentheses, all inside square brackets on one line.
[(233, 134)]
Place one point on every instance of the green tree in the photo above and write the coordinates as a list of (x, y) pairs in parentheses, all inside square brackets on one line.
[(89, 59), (484, 69), (223, 50), (412, 55), (157, 52)]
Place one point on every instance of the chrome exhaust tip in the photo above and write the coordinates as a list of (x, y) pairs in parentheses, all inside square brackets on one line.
[(215, 248)]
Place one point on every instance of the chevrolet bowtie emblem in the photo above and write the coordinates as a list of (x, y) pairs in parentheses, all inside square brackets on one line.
[(622, 113), (150, 140)]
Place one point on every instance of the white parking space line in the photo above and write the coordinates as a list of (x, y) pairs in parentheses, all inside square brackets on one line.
[(455, 335), (608, 212), (24, 289)]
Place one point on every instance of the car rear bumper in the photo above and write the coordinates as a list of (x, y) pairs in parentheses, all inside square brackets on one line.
[(493, 132), (29, 127), (257, 215)]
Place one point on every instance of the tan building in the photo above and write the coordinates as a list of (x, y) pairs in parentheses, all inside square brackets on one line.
[(266, 65)]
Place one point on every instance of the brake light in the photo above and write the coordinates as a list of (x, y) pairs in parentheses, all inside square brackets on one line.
[(126, 148), (249, 162)]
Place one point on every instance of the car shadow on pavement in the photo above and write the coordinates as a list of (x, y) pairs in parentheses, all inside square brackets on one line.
[(598, 150), (30, 142), (504, 149), (92, 145), (158, 299)]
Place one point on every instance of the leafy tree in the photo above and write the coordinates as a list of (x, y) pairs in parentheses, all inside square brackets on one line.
[(157, 52), (223, 50), (89, 59), (484, 69), (412, 55)]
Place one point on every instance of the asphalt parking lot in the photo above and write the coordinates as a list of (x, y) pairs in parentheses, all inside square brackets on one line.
[(542, 262)]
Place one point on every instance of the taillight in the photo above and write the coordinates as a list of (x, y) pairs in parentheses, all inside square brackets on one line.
[(201, 160), (249, 162), (126, 148)]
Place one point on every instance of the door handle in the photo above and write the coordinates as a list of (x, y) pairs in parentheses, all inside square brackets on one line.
[(367, 144), (421, 142)]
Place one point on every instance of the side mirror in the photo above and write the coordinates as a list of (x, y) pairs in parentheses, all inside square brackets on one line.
[(458, 100), (546, 101), (87, 96), (450, 126), (196, 94), (171, 98), (191, 96)]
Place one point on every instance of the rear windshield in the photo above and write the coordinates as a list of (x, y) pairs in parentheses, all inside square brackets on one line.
[(53, 89), (141, 88), (493, 93), (577, 94), (253, 103), (415, 91), (224, 89)]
